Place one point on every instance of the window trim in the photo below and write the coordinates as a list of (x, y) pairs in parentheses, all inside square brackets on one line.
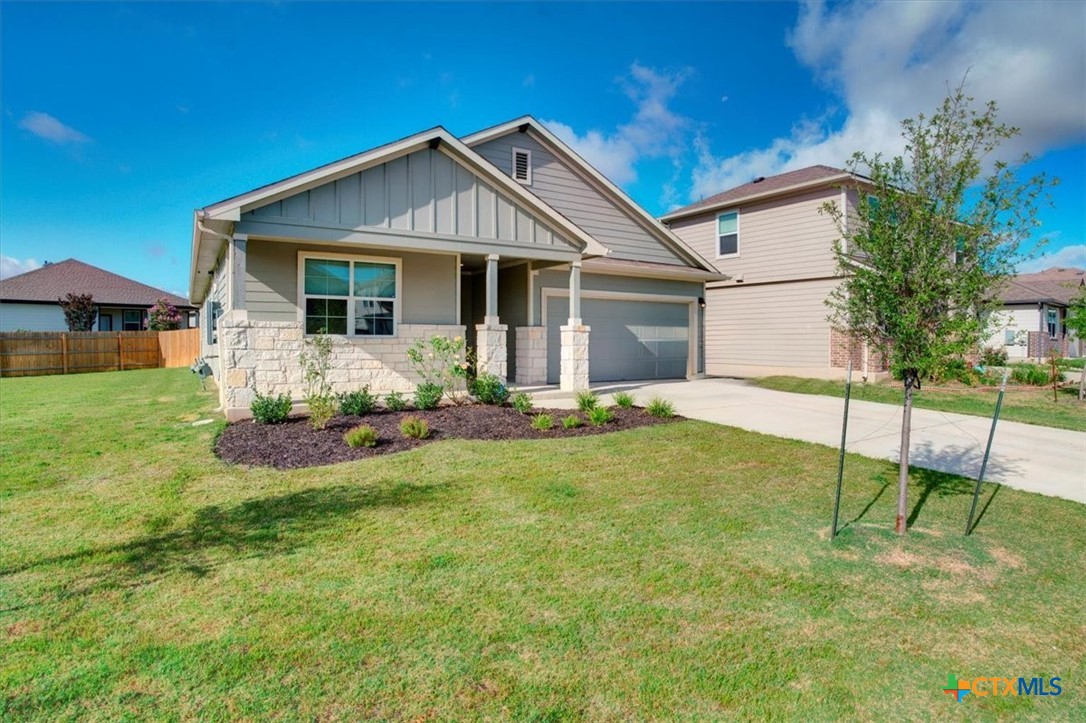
[(125, 322), (513, 165), (717, 234), (397, 305)]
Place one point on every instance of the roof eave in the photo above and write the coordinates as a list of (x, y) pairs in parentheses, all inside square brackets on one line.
[(785, 190)]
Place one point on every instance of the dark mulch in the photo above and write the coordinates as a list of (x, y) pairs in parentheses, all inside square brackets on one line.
[(295, 444)]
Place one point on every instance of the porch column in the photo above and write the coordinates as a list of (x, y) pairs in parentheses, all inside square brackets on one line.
[(490, 336), (573, 374), (237, 270)]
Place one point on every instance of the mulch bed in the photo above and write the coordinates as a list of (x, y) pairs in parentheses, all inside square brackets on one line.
[(295, 443)]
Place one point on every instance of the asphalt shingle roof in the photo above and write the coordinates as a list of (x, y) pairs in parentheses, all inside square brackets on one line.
[(1058, 285), (766, 185), (54, 281)]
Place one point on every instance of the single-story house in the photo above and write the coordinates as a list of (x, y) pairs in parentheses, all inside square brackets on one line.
[(1034, 311), (30, 301), (505, 237)]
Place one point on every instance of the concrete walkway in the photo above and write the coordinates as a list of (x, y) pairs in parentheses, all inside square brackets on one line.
[(1024, 456)]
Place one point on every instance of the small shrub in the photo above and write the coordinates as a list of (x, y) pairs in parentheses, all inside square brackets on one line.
[(415, 427), (358, 403), (488, 389), (395, 402), (599, 416), (428, 395), (361, 436), (625, 400), (522, 402), (269, 409), (993, 356), (587, 400), (660, 407), (321, 411), (1032, 374), (542, 422), (571, 422)]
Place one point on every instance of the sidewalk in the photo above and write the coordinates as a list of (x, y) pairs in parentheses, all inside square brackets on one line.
[(1024, 456)]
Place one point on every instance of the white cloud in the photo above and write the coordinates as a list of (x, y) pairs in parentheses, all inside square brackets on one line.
[(654, 131), (1073, 255), (10, 266), (889, 61), (49, 128), (529, 80)]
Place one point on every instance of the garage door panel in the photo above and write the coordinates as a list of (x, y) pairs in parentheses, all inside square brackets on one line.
[(629, 339)]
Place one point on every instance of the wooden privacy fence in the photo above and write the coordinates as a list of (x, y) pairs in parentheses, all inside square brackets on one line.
[(178, 348), (35, 353)]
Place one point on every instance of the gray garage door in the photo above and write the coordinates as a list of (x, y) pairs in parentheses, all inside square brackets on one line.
[(629, 339)]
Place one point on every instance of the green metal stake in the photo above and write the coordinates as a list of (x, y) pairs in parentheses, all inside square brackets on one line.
[(987, 452), (841, 458)]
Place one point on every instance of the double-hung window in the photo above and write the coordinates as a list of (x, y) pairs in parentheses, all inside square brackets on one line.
[(727, 242), (353, 296)]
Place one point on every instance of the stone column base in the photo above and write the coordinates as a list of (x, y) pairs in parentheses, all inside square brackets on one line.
[(574, 371), (531, 355), (490, 350)]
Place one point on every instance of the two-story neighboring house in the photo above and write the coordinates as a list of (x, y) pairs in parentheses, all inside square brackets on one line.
[(767, 236)]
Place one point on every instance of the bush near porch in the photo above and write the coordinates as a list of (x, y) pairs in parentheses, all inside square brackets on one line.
[(678, 571)]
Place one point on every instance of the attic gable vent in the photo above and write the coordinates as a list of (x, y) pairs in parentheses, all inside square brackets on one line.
[(522, 166)]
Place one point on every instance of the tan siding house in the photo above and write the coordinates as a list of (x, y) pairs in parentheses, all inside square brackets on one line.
[(769, 238)]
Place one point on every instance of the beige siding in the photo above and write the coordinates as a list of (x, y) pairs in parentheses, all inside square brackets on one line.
[(426, 191), (780, 239), (560, 187), (770, 326), (428, 295)]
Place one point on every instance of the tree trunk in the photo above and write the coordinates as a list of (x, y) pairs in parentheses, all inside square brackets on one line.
[(903, 467), (1082, 384)]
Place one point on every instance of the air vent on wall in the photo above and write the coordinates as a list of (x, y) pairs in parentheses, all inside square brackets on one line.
[(522, 166)]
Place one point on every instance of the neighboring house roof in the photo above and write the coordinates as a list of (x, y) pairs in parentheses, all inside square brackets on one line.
[(789, 182), (211, 222), (1051, 286), (541, 134), (53, 281)]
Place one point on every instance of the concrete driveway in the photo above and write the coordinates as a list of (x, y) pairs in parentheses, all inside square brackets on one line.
[(1024, 456)]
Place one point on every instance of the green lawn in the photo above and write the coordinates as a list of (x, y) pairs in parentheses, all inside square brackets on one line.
[(1030, 405), (672, 572)]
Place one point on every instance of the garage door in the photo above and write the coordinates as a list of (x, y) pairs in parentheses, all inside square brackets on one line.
[(629, 339)]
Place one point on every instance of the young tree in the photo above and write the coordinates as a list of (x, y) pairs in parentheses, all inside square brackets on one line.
[(1076, 323), (938, 230), (163, 316), (79, 311)]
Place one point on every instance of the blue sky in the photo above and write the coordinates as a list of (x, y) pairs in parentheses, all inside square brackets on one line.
[(120, 119)]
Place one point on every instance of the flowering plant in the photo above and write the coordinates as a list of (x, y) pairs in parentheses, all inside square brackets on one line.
[(443, 362), (163, 316)]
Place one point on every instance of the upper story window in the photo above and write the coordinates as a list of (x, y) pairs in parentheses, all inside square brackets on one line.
[(522, 166), (350, 295), (727, 242)]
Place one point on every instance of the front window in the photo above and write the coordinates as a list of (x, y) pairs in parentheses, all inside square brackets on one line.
[(105, 322), (728, 234), (348, 296), (132, 320), (1052, 321)]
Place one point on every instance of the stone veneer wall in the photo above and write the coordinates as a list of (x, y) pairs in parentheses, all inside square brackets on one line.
[(574, 358), (263, 356), (531, 355), (491, 355)]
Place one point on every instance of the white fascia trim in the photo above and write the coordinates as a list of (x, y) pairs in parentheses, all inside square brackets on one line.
[(674, 215), (594, 177)]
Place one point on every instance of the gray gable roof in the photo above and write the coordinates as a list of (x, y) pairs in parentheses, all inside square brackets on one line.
[(53, 281)]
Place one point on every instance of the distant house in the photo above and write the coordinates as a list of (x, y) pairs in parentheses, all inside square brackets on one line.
[(29, 301), (1034, 312), (768, 316)]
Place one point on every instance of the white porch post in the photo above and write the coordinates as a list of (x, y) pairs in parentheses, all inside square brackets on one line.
[(490, 336), (574, 353)]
